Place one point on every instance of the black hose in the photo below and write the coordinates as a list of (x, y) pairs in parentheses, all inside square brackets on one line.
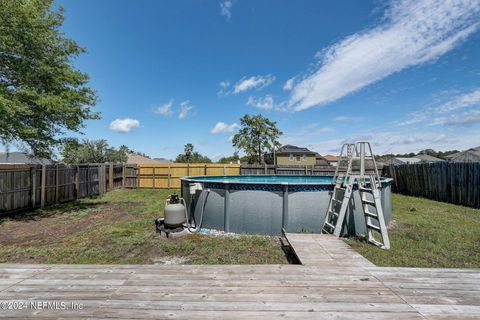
[(199, 226)]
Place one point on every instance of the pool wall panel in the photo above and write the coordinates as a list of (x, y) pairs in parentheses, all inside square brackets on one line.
[(259, 209)]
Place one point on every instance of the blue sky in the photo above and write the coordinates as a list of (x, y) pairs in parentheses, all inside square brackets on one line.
[(404, 75)]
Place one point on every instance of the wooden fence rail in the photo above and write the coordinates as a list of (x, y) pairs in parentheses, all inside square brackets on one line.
[(457, 183), (256, 169), (32, 186)]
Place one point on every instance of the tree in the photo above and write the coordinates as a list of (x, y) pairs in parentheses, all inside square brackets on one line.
[(233, 158), (188, 151), (257, 135), (191, 156), (92, 151), (42, 95)]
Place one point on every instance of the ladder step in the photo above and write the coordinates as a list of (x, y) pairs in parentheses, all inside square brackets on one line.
[(371, 214), (372, 226), (375, 242), (365, 189), (370, 202), (328, 224), (333, 212)]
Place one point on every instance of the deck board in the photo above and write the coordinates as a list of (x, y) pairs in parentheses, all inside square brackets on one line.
[(333, 282)]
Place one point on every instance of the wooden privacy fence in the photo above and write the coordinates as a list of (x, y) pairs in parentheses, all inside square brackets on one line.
[(32, 186), (166, 176), (256, 169), (457, 183)]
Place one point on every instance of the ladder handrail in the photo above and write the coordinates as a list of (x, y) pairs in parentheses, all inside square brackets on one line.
[(360, 150)]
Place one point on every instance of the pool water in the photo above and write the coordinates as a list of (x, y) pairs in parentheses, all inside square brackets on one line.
[(278, 179)]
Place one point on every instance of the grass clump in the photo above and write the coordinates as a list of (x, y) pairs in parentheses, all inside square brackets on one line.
[(427, 233), (118, 227)]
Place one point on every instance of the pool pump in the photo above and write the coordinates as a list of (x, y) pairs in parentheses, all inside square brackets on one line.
[(177, 220)]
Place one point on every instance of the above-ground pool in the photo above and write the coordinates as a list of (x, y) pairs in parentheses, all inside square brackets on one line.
[(264, 204)]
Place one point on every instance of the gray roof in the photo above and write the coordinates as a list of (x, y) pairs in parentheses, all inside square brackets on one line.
[(428, 158), (22, 157), (288, 148), (406, 160), (467, 155)]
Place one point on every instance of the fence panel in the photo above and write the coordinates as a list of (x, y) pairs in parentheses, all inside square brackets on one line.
[(256, 169), (25, 186), (165, 176), (457, 183)]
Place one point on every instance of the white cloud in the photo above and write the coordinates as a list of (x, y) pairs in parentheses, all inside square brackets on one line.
[(124, 125), (254, 82), (348, 118), (462, 119), (226, 9), (222, 127), (446, 112), (265, 103), (224, 86), (185, 109), (461, 101), (412, 32), (165, 109), (289, 84), (384, 141)]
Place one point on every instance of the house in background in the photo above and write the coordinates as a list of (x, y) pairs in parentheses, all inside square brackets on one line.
[(134, 158), (332, 160), (321, 161), (296, 156), (428, 158), (470, 155), (403, 160), (23, 158)]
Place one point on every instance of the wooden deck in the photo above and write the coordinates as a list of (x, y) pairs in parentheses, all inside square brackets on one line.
[(334, 283)]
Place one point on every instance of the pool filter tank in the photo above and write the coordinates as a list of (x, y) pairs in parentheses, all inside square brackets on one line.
[(174, 214)]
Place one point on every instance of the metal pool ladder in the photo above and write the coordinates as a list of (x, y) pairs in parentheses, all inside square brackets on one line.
[(369, 186)]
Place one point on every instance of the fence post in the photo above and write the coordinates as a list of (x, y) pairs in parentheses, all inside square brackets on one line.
[(306, 169), (188, 169), (153, 174), (57, 187), (33, 185), (266, 170), (43, 182), (169, 177), (205, 172), (224, 169), (110, 176), (124, 167), (101, 179), (77, 181)]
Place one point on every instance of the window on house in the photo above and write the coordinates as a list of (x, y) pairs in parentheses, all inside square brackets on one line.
[(298, 158), (304, 157), (291, 157)]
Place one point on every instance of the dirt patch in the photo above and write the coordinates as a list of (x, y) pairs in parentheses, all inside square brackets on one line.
[(52, 227), (170, 260)]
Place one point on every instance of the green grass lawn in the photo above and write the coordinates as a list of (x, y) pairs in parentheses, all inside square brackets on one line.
[(118, 227), (428, 233)]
